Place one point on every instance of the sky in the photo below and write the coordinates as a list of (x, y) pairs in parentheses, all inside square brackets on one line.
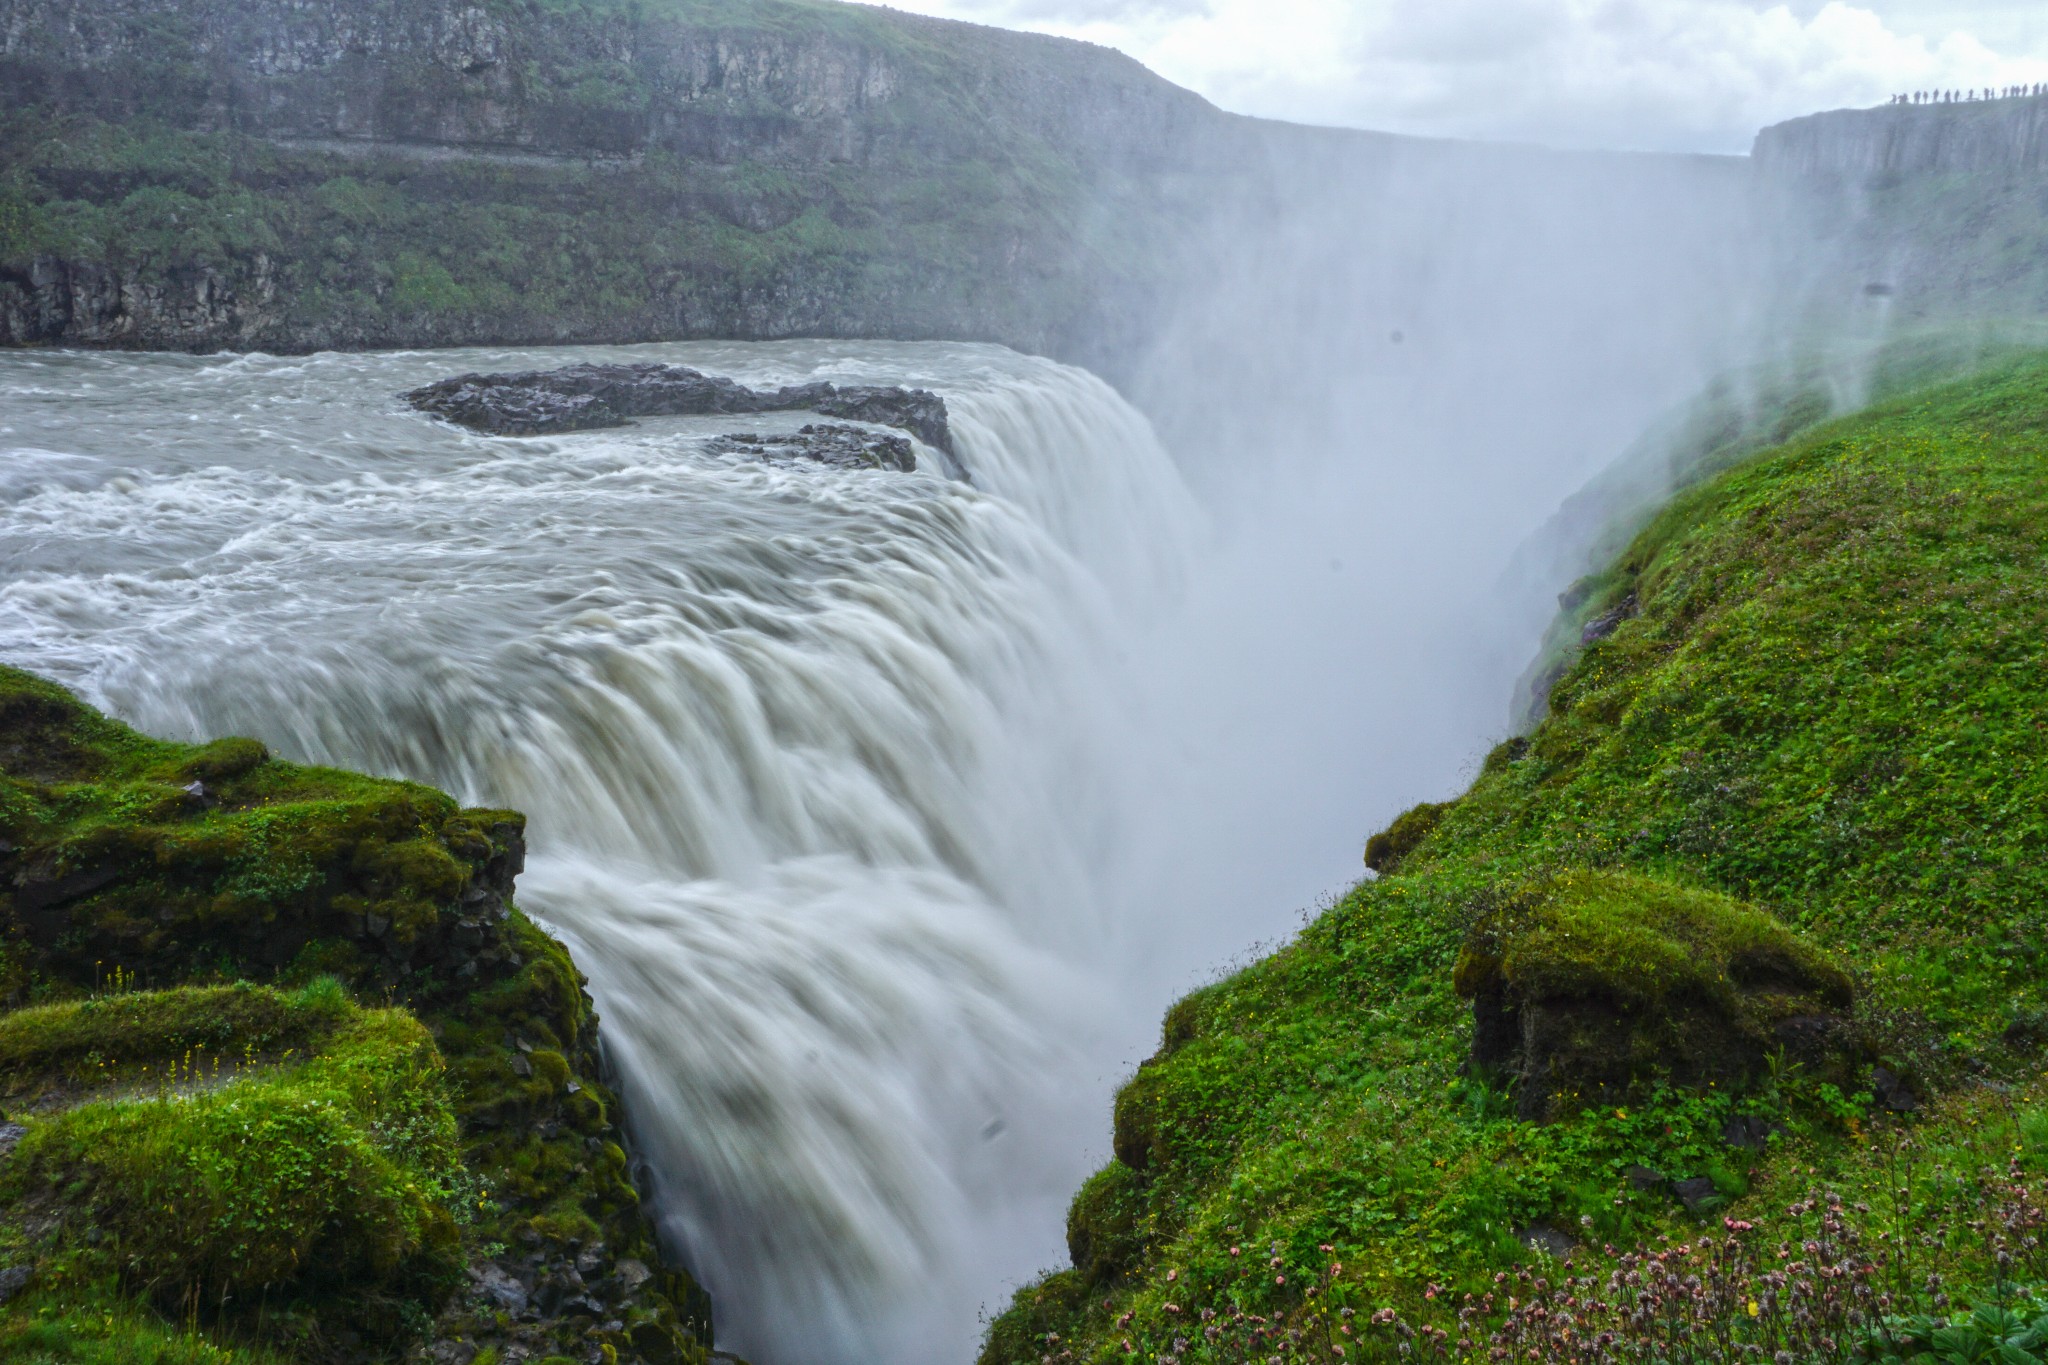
[(1652, 75)]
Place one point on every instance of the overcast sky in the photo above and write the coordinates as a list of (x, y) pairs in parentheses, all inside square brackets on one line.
[(1699, 75)]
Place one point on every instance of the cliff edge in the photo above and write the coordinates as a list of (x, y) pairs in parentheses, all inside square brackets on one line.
[(1984, 136)]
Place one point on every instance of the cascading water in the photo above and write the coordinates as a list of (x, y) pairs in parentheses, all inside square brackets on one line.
[(812, 757)]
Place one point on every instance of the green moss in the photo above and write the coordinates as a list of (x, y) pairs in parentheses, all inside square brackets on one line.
[(1043, 1315), (1641, 943), (336, 1171), (1105, 1233), (1815, 743), (1385, 850), (118, 864), (1591, 987), (273, 1163)]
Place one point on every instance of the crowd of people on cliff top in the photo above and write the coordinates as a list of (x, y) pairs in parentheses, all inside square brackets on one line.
[(2010, 92)]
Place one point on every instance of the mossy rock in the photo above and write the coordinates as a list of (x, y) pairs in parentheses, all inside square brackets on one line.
[(334, 1171), (1106, 1224), (194, 872), (1591, 986), (122, 855), (1385, 850), (52, 1050)]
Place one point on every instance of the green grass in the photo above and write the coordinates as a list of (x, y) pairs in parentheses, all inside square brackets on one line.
[(116, 1037), (1819, 735), (339, 1169), (96, 1324), (1730, 422)]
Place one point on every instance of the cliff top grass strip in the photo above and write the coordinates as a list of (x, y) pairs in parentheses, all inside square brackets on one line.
[(108, 1036)]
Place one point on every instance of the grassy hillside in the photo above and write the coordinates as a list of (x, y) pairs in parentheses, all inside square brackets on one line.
[(1743, 948), (1730, 422), (289, 1077)]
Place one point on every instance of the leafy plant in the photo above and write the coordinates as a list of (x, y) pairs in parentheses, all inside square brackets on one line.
[(1989, 1335)]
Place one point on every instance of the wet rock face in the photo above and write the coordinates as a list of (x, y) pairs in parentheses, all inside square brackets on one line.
[(839, 447), (591, 397)]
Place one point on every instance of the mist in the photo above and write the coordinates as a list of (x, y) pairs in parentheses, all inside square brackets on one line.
[(1393, 361)]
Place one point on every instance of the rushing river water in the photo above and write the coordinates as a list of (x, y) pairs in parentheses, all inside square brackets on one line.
[(813, 758)]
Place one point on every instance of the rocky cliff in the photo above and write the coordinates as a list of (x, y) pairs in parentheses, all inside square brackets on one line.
[(292, 175), (1985, 136), (1915, 212)]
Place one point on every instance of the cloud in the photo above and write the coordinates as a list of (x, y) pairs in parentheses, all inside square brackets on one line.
[(1655, 74)]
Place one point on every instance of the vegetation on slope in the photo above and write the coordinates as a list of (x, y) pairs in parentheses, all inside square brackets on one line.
[(1735, 418), (216, 1148), (1790, 808)]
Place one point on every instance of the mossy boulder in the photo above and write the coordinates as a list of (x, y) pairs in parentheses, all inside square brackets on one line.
[(122, 855), (338, 1171), (1385, 850), (1106, 1224), (1588, 987)]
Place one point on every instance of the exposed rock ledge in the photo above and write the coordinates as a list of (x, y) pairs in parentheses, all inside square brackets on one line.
[(826, 443), (590, 397)]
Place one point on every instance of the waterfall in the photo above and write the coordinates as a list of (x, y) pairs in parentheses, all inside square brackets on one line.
[(813, 758)]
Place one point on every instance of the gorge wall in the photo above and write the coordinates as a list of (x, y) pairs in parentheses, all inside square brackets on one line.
[(292, 176), (1991, 136), (1909, 214)]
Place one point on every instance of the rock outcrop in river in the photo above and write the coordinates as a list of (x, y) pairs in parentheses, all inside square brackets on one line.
[(592, 397)]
